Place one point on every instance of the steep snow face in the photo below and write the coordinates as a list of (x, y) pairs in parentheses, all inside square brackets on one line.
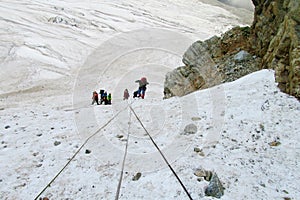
[(236, 124), (51, 59)]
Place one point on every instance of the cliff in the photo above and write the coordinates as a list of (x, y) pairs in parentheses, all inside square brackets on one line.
[(275, 36)]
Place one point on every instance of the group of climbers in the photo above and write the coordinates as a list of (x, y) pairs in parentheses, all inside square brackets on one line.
[(106, 98)]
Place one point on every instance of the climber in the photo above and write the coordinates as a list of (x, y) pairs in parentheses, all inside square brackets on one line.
[(103, 96), (126, 94), (109, 99), (95, 98), (142, 87)]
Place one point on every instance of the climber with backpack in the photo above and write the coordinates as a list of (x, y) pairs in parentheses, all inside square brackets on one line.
[(142, 87)]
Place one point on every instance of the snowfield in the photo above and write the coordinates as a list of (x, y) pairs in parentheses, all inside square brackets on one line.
[(45, 116)]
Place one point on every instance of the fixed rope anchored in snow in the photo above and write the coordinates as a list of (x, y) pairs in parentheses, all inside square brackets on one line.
[(182, 185), (86, 141), (123, 163)]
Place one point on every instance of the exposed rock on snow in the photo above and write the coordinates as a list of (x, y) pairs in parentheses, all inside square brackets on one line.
[(87, 151), (137, 176), (214, 61), (206, 174), (274, 143), (215, 187), (190, 129)]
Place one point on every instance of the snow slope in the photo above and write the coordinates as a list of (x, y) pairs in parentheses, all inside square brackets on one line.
[(46, 46)]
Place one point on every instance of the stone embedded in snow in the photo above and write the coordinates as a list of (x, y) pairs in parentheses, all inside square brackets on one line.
[(274, 143), (190, 129), (242, 56), (207, 175), (87, 151), (196, 118), (137, 176), (56, 143), (215, 187), (7, 127), (197, 150)]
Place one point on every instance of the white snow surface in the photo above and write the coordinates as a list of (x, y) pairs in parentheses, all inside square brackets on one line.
[(43, 46)]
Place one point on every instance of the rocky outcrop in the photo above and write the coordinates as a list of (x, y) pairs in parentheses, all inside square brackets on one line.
[(212, 62), (275, 37), (272, 42)]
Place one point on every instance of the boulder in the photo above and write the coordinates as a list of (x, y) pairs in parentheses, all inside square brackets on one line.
[(190, 129), (215, 187)]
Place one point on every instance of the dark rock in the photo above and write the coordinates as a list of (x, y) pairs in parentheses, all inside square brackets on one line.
[(215, 187), (56, 143), (87, 151), (35, 154), (137, 176), (7, 127), (39, 134)]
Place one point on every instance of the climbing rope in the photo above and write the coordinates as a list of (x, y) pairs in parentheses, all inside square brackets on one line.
[(124, 158), (74, 155), (177, 177)]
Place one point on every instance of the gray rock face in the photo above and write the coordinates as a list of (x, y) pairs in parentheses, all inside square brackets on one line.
[(182, 81), (242, 56), (215, 187), (199, 73)]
